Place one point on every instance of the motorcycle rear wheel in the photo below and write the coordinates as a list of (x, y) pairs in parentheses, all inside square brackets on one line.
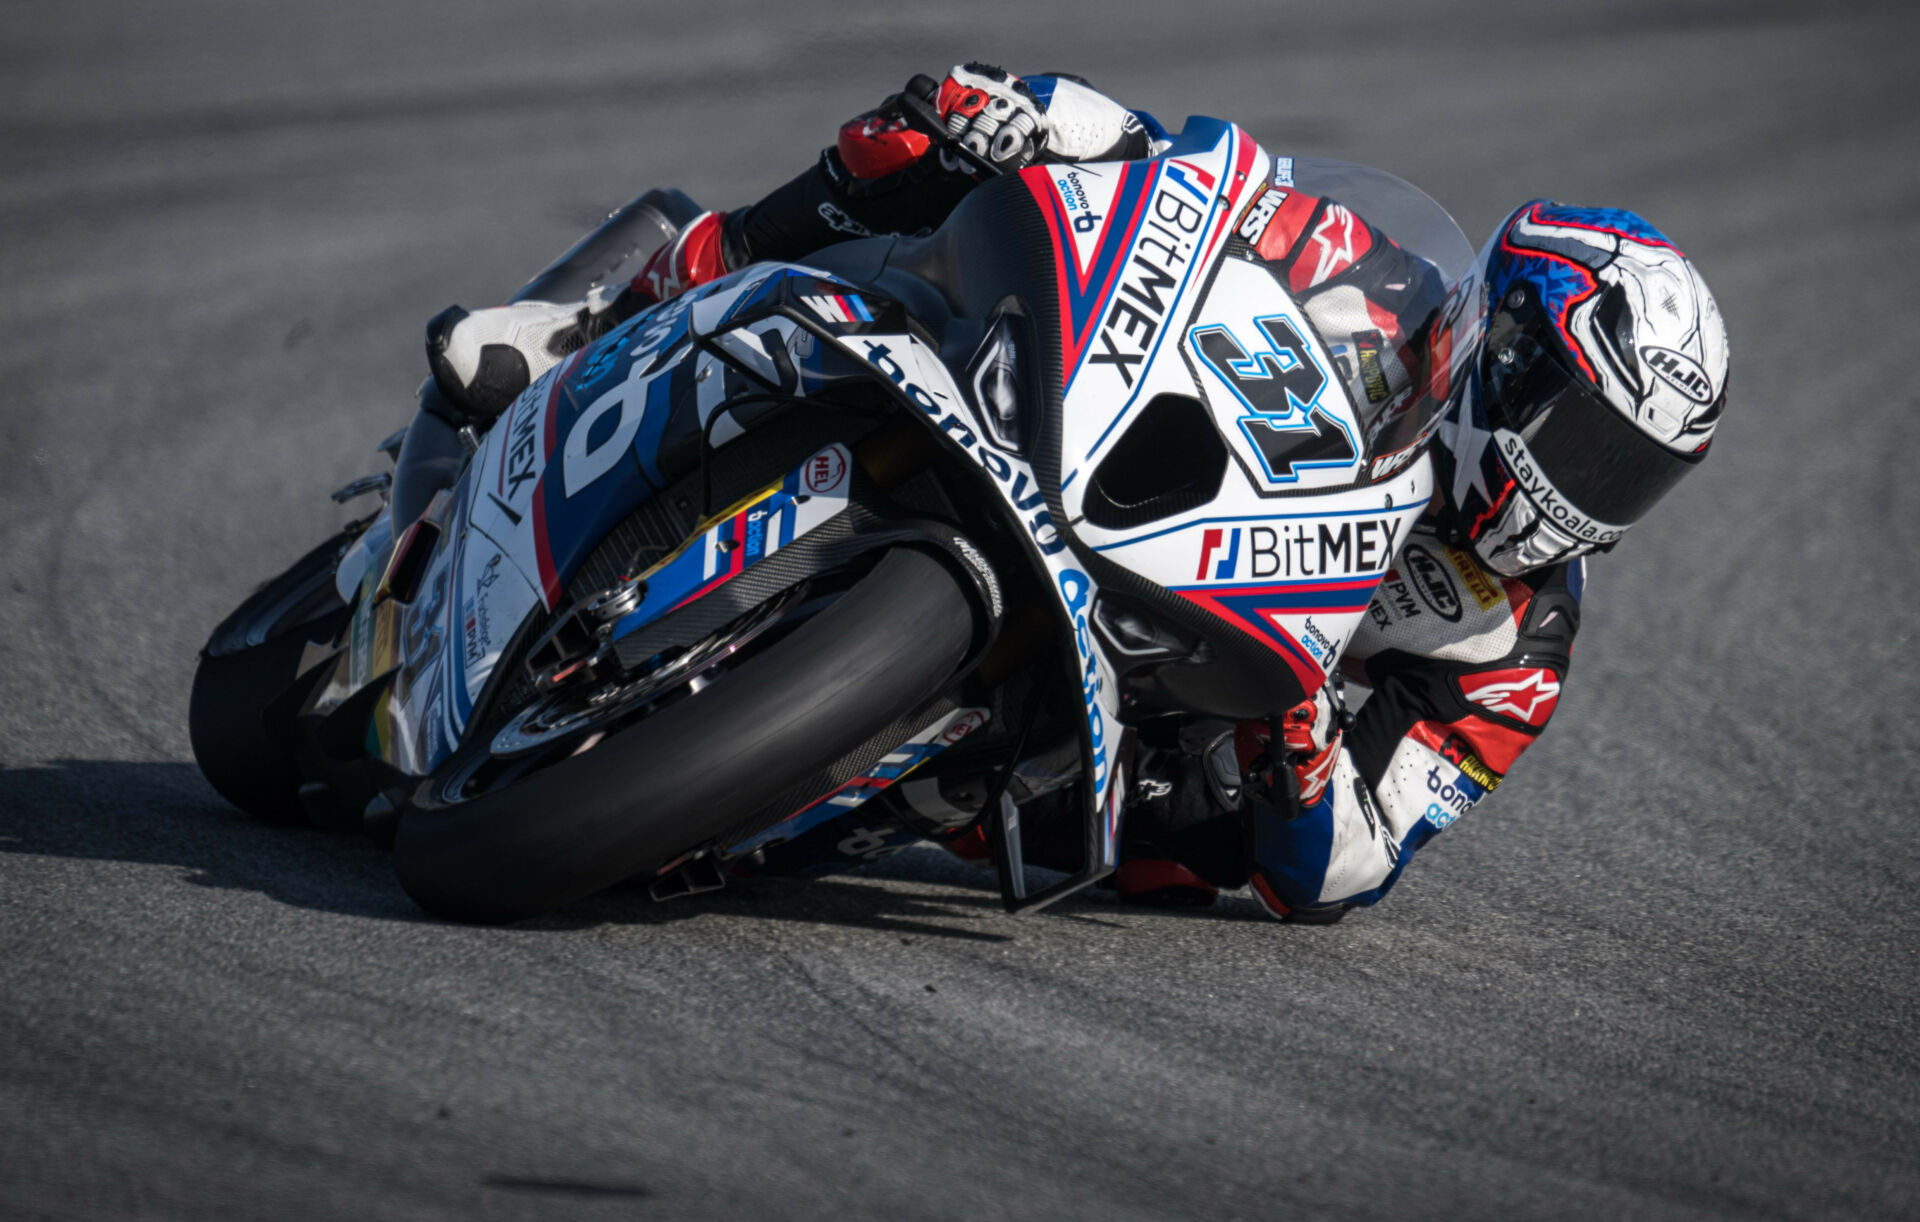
[(655, 788)]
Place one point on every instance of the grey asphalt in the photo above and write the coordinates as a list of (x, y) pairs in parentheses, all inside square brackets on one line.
[(1669, 971)]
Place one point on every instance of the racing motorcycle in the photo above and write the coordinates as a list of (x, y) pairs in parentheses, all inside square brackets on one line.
[(973, 514)]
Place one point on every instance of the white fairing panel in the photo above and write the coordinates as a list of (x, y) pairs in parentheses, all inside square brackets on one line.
[(917, 372), (1293, 569)]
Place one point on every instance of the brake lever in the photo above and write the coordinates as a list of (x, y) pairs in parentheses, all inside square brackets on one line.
[(915, 104)]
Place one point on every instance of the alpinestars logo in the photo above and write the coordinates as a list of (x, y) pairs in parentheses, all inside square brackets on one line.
[(1526, 695), (1334, 236)]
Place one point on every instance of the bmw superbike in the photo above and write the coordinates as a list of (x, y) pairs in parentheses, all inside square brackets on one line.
[(1071, 469)]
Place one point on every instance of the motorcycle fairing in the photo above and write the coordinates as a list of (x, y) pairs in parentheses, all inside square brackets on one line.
[(521, 521), (1155, 299), (892, 767), (811, 495), (1299, 581), (1168, 219), (923, 382)]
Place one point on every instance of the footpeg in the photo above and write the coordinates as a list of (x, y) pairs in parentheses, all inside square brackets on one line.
[(690, 877)]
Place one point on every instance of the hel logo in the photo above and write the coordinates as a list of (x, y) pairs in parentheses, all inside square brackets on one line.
[(1526, 695), (1679, 371), (825, 471), (969, 721)]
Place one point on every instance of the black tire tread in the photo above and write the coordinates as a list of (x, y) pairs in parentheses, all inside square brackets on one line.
[(697, 766)]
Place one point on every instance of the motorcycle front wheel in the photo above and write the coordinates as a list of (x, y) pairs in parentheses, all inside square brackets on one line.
[(482, 841)]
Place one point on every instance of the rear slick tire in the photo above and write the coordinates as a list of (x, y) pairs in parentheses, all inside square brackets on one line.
[(674, 780)]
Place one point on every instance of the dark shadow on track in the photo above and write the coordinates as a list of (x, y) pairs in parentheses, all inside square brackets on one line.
[(565, 1188), (164, 814)]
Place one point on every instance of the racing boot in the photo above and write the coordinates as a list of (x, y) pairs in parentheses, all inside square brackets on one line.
[(482, 360)]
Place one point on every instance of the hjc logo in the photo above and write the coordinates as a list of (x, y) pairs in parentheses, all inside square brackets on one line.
[(1679, 371)]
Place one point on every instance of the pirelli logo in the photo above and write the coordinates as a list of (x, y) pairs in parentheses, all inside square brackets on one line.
[(1475, 578)]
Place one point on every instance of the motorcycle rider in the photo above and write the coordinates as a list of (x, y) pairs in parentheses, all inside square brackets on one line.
[(1599, 383)]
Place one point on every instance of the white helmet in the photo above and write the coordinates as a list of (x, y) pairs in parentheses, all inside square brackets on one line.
[(1601, 380)]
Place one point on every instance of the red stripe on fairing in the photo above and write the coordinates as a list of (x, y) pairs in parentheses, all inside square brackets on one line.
[(1304, 587), (1039, 182), (1044, 196), (1244, 150), (550, 588), (553, 398), (543, 553), (1311, 679), (736, 562)]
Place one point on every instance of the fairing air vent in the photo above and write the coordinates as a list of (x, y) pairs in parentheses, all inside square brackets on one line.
[(1169, 460)]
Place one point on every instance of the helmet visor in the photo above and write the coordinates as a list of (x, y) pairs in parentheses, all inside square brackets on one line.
[(1595, 458)]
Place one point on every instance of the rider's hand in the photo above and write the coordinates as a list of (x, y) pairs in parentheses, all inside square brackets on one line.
[(1311, 736), (696, 256), (993, 114), (484, 359)]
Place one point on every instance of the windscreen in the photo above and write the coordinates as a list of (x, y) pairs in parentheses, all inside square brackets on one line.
[(1440, 316)]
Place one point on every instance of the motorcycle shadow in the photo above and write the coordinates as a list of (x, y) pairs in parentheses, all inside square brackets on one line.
[(156, 814), (163, 814)]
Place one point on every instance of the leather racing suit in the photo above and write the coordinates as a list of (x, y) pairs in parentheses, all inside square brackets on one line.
[(1456, 670)]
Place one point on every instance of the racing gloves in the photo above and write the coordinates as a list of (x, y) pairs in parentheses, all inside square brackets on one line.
[(993, 114)]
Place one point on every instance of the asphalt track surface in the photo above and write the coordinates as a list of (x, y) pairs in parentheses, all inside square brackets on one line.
[(1668, 972)]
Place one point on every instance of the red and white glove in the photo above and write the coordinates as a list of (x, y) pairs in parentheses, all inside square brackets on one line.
[(993, 114), (693, 258), (1310, 742)]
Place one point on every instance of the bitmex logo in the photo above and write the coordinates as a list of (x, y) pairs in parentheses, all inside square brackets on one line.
[(1297, 549)]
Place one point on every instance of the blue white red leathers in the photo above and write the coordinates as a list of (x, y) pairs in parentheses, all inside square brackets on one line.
[(1457, 690), (1459, 667)]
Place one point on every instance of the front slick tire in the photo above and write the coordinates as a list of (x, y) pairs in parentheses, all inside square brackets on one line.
[(696, 768)]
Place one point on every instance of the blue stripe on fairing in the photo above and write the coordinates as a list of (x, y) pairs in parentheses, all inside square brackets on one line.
[(1196, 127), (653, 427), (1261, 517)]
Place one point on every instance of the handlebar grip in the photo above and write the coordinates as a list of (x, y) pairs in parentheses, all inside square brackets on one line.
[(915, 104)]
